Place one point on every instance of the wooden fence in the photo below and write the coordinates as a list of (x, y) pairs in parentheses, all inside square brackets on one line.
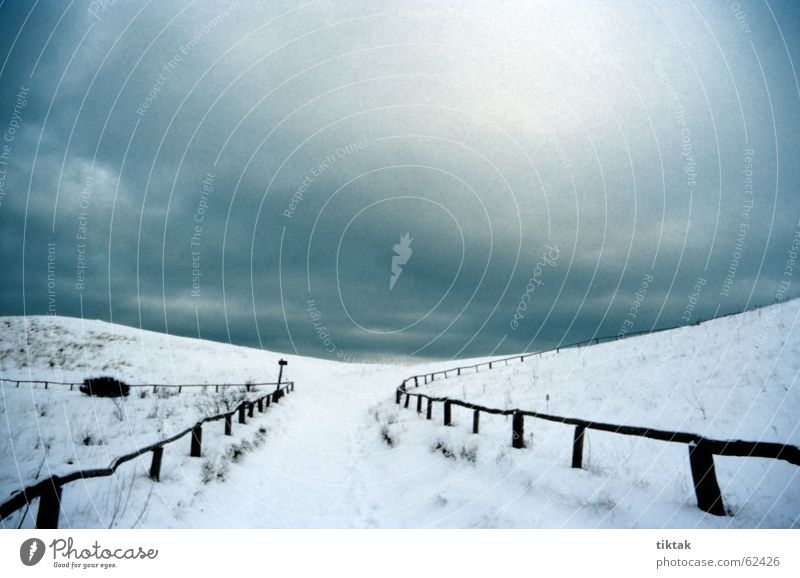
[(156, 387), (701, 449), (503, 361), (49, 490)]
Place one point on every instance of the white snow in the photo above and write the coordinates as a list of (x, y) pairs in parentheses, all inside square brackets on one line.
[(322, 457)]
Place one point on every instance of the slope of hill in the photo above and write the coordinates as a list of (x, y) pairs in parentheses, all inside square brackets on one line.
[(67, 349), (58, 431), (340, 453), (731, 378), (734, 377)]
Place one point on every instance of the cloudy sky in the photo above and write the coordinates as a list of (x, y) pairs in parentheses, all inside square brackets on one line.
[(246, 172)]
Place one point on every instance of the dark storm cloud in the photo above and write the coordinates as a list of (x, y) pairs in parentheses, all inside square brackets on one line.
[(243, 172)]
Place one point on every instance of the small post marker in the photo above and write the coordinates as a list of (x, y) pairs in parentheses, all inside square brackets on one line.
[(49, 506), (278, 393), (577, 446), (197, 440), (518, 431), (709, 496), (155, 465)]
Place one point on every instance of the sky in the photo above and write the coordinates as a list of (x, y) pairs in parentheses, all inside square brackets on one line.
[(396, 181)]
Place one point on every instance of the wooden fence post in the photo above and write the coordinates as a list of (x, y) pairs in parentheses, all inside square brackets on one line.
[(416, 381), (268, 398), (408, 398), (432, 374), (476, 418), (709, 496), (247, 385), (260, 403), (447, 415), (425, 378), (228, 425), (458, 371), (490, 365), (429, 413), (155, 465), (197, 440), (49, 506), (518, 431), (180, 388), (216, 389), (45, 385), (419, 404), (397, 395), (577, 447), (250, 409), (242, 419)]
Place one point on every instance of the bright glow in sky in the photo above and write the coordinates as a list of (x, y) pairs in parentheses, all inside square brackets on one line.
[(566, 170)]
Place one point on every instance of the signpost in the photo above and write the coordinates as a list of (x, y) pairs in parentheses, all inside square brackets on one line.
[(278, 393)]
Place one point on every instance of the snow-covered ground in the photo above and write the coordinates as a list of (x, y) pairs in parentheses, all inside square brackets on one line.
[(340, 453)]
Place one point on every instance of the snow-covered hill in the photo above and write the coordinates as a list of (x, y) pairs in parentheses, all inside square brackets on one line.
[(340, 453), (734, 377), (69, 349), (731, 378), (58, 431)]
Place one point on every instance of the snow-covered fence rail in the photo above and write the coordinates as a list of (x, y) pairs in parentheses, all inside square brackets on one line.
[(701, 449), (426, 378), (155, 386), (48, 491)]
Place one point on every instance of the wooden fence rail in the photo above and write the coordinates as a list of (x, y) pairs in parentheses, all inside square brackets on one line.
[(49, 490), (156, 386), (701, 449), (431, 377)]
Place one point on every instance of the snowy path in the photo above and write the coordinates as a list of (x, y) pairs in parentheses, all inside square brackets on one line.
[(326, 465), (320, 469)]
